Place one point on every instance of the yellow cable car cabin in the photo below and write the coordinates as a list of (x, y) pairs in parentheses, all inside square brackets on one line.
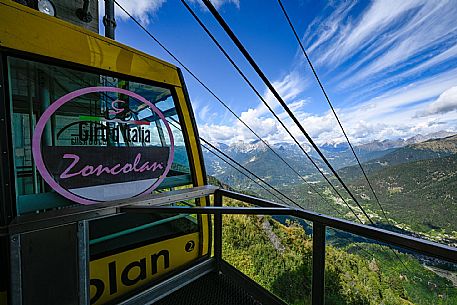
[(112, 126), (104, 195)]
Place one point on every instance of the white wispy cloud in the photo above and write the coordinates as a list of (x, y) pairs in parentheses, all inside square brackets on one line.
[(390, 51), (365, 31), (443, 58), (140, 9), (259, 118), (397, 99), (422, 29), (144, 9), (445, 103), (322, 30), (385, 44), (203, 112), (218, 3), (393, 114), (389, 62)]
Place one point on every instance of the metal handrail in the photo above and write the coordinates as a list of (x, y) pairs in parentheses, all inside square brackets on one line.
[(270, 208), (320, 222), (41, 221), (152, 203)]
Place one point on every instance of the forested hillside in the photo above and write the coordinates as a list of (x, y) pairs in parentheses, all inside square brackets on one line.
[(417, 186), (420, 194), (279, 257)]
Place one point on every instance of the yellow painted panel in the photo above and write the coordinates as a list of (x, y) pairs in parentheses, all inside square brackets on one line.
[(115, 275), (192, 139), (27, 30), (3, 298), (198, 166)]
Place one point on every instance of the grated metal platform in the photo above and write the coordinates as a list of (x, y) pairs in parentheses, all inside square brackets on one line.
[(211, 289)]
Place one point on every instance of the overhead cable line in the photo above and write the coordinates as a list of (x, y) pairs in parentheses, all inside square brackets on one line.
[(209, 90), (338, 120), (249, 58), (331, 106), (269, 108), (228, 108), (253, 88)]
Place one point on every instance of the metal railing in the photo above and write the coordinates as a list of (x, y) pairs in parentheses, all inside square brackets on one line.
[(320, 223), (158, 203)]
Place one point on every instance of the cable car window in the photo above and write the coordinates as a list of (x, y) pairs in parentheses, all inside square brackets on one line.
[(107, 134)]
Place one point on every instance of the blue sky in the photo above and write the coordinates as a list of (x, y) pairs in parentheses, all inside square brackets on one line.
[(390, 67)]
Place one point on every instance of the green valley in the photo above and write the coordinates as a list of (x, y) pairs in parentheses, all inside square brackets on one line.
[(353, 276)]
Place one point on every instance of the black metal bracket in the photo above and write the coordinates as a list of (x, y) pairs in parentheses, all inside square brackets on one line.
[(318, 263), (83, 13), (218, 230)]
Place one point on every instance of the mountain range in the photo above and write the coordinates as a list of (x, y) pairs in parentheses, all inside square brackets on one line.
[(415, 180), (257, 157)]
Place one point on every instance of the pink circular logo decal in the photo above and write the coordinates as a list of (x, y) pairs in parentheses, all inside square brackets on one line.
[(106, 157)]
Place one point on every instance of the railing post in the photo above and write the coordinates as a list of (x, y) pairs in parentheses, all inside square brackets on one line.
[(218, 229), (318, 263), (83, 263), (15, 270)]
